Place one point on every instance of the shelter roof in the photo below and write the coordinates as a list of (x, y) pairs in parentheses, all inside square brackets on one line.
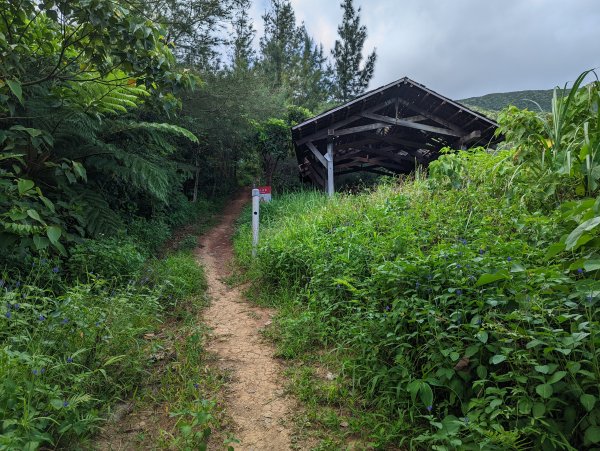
[(389, 129)]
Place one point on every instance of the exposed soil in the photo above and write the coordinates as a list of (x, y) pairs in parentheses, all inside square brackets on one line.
[(254, 397), (257, 412)]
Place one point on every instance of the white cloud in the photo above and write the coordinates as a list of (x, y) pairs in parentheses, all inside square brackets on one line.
[(463, 48)]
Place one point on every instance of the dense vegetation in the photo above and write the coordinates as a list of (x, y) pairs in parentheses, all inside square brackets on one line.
[(457, 311), (119, 123)]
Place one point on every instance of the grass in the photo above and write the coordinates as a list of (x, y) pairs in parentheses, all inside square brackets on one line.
[(437, 308), (77, 337), (183, 380)]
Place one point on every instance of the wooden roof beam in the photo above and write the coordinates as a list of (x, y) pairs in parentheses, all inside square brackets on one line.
[(324, 133), (402, 123), (445, 122), (360, 128), (318, 155)]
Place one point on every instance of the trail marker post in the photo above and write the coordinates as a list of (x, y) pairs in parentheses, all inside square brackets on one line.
[(255, 219)]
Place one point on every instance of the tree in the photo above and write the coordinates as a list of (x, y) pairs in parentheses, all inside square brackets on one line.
[(192, 27), (243, 53), (280, 43), (72, 77), (308, 84), (350, 79)]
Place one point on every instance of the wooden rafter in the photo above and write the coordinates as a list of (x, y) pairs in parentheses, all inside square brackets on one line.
[(403, 123)]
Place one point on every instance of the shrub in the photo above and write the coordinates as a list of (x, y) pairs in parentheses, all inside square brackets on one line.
[(178, 276), (107, 258), (188, 243), (150, 235)]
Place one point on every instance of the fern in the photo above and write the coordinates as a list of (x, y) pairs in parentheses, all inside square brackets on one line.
[(94, 213)]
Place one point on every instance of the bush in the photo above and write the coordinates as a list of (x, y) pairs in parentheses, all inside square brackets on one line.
[(188, 243), (149, 235), (178, 276), (108, 258), (445, 307)]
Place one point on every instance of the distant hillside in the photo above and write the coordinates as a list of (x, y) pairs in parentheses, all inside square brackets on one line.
[(521, 99)]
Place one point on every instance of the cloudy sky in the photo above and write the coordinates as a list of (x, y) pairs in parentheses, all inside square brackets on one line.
[(464, 48)]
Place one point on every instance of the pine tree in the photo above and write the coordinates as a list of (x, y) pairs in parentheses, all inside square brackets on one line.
[(243, 53), (279, 46), (309, 83), (349, 79)]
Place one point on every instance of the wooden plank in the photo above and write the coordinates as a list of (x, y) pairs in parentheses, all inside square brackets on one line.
[(470, 137), (316, 153), (417, 118), (318, 177), (432, 116), (402, 123), (323, 133), (393, 139), (386, 152), (380, 162), (361, 128), (372, 169)]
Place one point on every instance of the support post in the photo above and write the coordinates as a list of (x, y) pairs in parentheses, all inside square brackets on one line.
[(255, 219), (329, 158)]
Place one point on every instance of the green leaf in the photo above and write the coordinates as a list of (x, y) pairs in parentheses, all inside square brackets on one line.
[(40, 242), (544, 369), (54, 233), (48, 203), (484, 279), (592, 434), (588, 401), (554, 250), (56, 403), (525, 406), (590, 224), (538, 409), (15, 87), (591, 265), (557, 376), (482, 335), (517, 267), (482, 372), (498, 358), (544, 390), (34, 215), (426, 394), (80, 170), (24, 185)]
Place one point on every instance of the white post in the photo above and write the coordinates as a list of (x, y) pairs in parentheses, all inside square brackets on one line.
[(329, 158), (255, 220)]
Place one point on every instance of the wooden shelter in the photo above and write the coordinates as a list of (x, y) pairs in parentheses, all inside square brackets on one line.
[(391, 129)]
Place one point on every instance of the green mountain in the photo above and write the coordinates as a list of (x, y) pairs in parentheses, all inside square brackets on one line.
[(521, 99)]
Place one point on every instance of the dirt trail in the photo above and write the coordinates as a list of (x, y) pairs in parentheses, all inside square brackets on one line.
[(254, 397)]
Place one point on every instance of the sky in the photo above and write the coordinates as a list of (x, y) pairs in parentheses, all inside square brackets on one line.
[(465, 48)]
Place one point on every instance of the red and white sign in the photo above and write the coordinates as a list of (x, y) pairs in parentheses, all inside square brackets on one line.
[(264, 193)]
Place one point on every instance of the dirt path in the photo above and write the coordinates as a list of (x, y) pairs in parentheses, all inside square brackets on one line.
[(254, 397)]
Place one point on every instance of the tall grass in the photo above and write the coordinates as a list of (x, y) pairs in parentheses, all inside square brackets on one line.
[(450, 325)]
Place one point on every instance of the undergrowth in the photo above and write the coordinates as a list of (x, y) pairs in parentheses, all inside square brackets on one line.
[(444, 319), (81, 333)]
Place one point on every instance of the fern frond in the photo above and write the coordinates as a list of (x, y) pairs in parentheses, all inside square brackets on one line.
[(134, 169), (170, 129), (94, 213)]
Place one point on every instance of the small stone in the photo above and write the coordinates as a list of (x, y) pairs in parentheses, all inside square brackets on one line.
[(330, 376), (344, 424), (268, 323)]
